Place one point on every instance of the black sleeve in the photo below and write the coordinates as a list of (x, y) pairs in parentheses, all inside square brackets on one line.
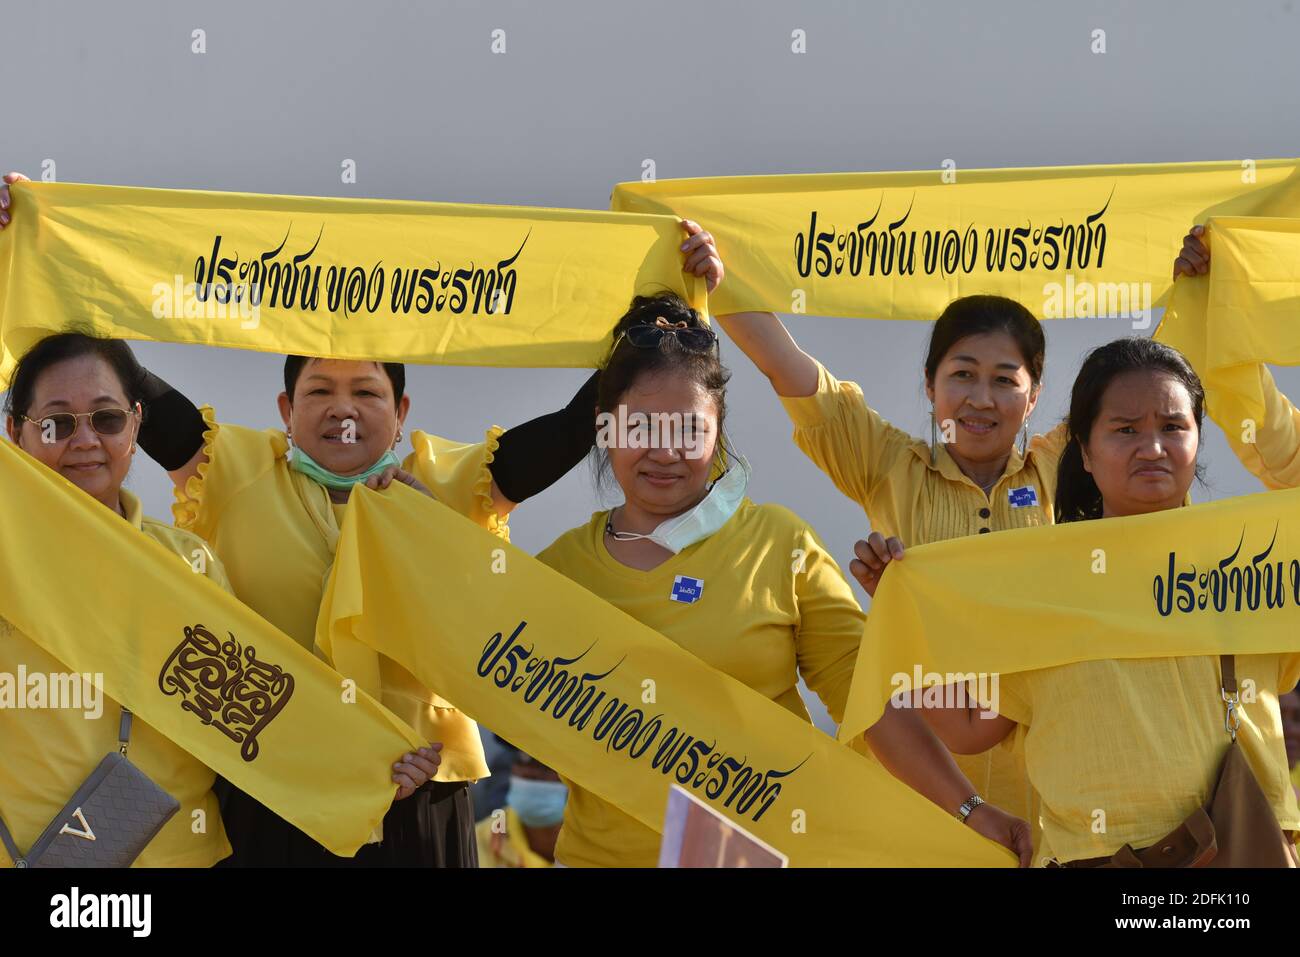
[(532, 457), (172, 430)]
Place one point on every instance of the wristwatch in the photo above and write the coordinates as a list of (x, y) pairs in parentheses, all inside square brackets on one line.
[(968, 805)]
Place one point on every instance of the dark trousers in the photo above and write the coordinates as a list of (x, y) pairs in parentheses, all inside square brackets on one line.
[(434, 827)]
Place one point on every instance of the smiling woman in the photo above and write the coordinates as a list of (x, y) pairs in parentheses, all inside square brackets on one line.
[(747, 588), (1150, 731), (74, 406), (983, 375)]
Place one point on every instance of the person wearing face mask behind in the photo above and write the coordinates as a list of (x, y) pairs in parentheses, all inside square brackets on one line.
[(749, 589), (981, 471), (523, 833)]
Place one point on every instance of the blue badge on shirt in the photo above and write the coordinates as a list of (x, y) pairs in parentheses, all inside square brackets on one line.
[(1022, 497), (687, 589)]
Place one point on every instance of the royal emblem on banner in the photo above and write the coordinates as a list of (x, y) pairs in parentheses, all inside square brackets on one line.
[(226, 685)]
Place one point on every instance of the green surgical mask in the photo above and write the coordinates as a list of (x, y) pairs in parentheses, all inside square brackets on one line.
[(304, 463)]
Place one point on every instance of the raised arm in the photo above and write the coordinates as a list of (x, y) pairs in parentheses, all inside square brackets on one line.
[(172, 431), (769, 345), (1273, 455)]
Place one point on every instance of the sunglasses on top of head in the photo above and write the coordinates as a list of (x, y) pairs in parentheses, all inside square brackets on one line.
[(690, 338)]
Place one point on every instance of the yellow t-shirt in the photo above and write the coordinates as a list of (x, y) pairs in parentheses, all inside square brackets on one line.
[(757, 619), (1274, 456), (49, 752), (505, 844), (1121, 751), (276, 531), (888, 472)]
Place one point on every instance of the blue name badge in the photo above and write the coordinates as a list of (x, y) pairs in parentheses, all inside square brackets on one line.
[(687, 590), (1022, 497)]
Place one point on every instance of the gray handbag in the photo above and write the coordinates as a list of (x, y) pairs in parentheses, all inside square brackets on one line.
[(113, 816)]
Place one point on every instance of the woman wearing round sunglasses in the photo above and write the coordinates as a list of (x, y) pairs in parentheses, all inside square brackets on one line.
[(749, 589), (74, 406)]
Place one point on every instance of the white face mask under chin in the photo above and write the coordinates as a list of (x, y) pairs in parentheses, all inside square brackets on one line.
[(696, 524)]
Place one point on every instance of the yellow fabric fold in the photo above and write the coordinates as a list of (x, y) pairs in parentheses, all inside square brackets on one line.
[(1223, 577), (200, 668), (337, 278), (610, 704), (1243, 313), (1070, 241)]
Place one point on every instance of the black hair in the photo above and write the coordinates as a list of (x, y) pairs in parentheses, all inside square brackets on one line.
[(293, 366), (974, 315), (1077, 496), (72, 345), (626, 363)]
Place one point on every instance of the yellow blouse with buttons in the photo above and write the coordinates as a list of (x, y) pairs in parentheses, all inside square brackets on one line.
[(921, 499)]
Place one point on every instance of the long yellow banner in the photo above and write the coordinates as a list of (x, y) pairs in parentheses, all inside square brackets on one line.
[(1071, 241), (195, 664), (1244, 312), (564, 676), (1203, 580), (337, 278)]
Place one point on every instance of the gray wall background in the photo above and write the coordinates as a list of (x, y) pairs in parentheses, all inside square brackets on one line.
[(587, 90)]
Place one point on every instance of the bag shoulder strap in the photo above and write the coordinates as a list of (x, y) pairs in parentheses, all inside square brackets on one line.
[(1228, 671), (124, 730), (10, 846)]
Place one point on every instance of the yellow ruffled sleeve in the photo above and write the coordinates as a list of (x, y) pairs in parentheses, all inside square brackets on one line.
[(458, 476), (845, 438), (235, 458), (1274, 455)]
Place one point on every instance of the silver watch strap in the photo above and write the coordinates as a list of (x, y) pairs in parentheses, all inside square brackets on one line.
[(968, 805)]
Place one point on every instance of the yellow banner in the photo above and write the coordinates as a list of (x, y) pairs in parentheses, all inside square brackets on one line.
[(1071, 241), (1244, 312), (1220, 578), (337, 278), (562, 674), (195, 664)]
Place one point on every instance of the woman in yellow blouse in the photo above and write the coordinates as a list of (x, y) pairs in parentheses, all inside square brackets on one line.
[(747, 588), (983, 375), (1122, 751), (49, 752)]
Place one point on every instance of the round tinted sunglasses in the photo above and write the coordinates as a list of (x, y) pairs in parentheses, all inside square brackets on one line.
[(692, 339), (103, 421)]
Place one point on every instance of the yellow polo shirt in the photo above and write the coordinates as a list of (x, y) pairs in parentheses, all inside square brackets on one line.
[(1121, 751), (47, 753), (888, 472), (276, 531), (773, 606)]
